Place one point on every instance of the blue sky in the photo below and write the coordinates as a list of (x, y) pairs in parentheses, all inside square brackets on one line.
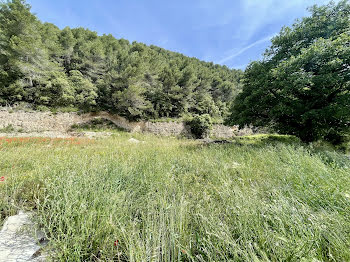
[(228, 32)]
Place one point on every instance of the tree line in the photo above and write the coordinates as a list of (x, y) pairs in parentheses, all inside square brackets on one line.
[(76, 68)]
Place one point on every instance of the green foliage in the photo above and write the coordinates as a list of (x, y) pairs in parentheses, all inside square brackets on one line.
[(55, 90), (302, 87), (200, 125), (42, 108), (131, 102), (43, 65), (64, 109), (7, 129), (85, 92)]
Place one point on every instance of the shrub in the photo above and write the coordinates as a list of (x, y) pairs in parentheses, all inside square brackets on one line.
[(42, 108), (200, 125), (7, 129)]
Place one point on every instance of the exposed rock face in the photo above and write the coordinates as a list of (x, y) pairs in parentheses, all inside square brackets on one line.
[(62, 122), (16, 244)]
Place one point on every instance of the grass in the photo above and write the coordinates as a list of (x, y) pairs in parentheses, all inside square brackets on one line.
[(177, 200)]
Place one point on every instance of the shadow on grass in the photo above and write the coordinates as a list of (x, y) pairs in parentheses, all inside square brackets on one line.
[(98, 124)]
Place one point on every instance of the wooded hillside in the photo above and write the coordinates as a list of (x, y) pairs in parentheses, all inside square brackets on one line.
[(48, 67)]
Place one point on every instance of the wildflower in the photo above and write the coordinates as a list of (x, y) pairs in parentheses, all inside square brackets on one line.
[(183, 251), (116, 243), (2, 179)]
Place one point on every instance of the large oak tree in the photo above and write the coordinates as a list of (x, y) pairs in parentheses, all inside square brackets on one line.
[(302, 86)]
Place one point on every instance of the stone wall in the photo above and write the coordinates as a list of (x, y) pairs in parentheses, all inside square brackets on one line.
[(62, 122), (166, 128), (38, 121), (222, 131)]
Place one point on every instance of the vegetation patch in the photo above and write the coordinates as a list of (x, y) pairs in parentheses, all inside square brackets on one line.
[(98, 124), (199, 125), (7, 129), (301, 87), (169, 199)]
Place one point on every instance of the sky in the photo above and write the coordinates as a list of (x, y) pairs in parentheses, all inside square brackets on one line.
[(227, 32)]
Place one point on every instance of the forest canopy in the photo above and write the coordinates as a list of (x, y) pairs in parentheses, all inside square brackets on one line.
[(48, 67)]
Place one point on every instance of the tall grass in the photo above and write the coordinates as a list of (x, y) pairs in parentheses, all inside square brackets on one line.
[(177, 200)]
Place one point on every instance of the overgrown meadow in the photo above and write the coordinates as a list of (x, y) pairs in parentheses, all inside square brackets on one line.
[(173, 199)]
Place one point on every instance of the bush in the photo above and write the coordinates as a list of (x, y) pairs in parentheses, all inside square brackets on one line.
[(200, 125), (42, 108)]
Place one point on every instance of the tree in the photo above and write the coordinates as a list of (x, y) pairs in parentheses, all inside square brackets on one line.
[(67, 41), (131, 102), (56, 90), (302, 87), (50, 38), (85, 91), (23, 58)]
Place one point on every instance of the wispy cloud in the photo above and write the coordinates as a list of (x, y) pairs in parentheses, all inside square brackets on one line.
[(242, 67), (244, 49), (256, 14), (163, 41)]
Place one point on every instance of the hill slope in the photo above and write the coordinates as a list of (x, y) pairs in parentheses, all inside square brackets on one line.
[(45, 66)]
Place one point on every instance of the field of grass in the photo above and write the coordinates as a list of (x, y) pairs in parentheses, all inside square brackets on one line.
[(177, 200)]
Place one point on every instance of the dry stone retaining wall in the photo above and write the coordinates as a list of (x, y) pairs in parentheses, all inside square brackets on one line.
[(222, 131), (62, 122), (166, 128)]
